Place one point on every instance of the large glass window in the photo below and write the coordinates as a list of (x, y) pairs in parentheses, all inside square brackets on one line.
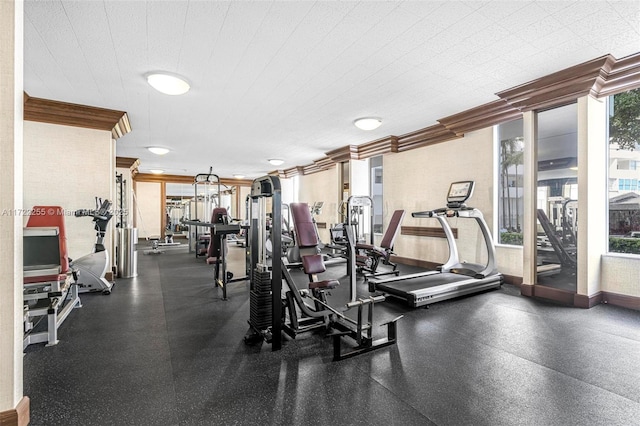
[(624, 172), (375, 170), (557, 197), (510, 182)]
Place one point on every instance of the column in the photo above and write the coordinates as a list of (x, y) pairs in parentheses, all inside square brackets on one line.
[(14, 408), (592, 195)]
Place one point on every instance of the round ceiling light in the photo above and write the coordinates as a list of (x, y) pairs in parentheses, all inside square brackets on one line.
[(238, 176), (169, 84), (158, 150), (276, 161), (368, 123), (156, 171)]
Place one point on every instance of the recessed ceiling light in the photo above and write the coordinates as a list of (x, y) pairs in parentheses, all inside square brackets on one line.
[(238, 176), (368, 123), (276, 161), (169, 84), (156, 171), (158, 150)]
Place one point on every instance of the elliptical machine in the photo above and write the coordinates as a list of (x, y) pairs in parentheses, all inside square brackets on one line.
[(90, 269)]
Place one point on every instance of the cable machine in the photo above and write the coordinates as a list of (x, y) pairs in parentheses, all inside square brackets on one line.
[(210, 198)]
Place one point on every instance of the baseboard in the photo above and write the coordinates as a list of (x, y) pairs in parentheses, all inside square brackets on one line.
[(18, 416), (526, 290), (622, 300), (561, 296), (587, 302), (581, 300), (543, 292)]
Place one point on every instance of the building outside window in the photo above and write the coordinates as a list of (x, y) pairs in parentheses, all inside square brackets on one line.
[(375, 170), (624, 172), (510, 182)]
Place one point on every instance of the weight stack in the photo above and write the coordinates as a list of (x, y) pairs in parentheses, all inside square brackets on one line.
[(260, 301)]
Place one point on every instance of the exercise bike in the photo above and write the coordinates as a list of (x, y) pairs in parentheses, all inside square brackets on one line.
[(90, 269)]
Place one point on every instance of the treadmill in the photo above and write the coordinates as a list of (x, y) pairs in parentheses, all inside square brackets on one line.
[(453, 279)]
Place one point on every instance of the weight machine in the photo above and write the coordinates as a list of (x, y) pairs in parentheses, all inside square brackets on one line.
[(220, 227), (204, 201), (267, 318), (50, 290)]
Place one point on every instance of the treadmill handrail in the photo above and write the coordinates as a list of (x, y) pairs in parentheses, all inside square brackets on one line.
[(462, 212)]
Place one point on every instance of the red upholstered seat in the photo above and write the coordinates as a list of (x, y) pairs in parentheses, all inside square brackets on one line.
[(313, 264), (369, 256), (306, 237), (303, 222)]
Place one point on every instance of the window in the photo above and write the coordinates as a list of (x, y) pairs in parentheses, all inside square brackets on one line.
[(375, 170), (510, 182), (628, 184), (624, 168)]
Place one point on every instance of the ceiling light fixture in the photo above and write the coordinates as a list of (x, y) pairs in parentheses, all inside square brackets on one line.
[(169, 84), (158, 150), (156, 171), (238, 176), (276, 161), (368, 123)]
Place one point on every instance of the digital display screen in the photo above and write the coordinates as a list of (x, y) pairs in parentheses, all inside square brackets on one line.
[(460, 191)]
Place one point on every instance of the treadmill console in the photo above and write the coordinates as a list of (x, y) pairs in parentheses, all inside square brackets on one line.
[(459, 192)]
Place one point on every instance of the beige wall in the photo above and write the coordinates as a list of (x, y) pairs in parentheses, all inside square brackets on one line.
[(620, 274), (11, 136), (68, 167), (418, 180), (322, 186), (147, 206), (509, 260)]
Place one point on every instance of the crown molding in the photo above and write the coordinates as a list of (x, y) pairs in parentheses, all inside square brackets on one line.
[(603, 76), (624, 75), (480, 117), (424, 137), (150, 177), (561, 87), (127, 162), (290, 172), (346, 153), (377, 147), (68, 114)]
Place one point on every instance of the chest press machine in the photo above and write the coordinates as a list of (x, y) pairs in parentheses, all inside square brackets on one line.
[(270, 314)]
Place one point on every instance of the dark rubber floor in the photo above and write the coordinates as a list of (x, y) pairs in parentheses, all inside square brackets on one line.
[(163, 349)]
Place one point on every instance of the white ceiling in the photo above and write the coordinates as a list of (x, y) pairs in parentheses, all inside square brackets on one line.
[(287, 79)]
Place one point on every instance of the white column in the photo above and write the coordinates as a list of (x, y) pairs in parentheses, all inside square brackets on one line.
[(592, 192), (11, 115), (530, 186)]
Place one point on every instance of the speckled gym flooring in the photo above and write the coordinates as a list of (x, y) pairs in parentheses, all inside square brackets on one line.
[(164, 349)]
